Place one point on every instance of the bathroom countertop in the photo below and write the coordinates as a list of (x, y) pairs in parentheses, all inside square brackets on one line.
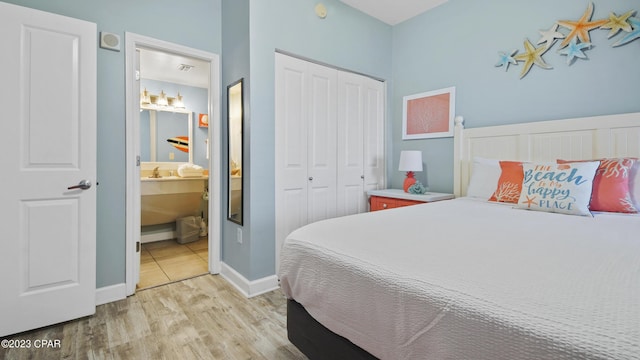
[(174, 178)]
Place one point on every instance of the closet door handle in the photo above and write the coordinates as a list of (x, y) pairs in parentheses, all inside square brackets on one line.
[(84, 185)]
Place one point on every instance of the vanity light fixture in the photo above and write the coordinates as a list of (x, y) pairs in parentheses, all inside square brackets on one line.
[(149, 100)]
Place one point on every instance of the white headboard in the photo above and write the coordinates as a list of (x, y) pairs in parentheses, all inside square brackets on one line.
[(572, 139)]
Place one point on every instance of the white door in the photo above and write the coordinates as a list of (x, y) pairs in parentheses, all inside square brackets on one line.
[(374, 150), (321, 142), (360, 140), (306, 95), (350, 144), (48, 100), (291, 180)]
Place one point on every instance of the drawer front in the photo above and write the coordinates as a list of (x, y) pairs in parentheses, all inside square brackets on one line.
[(402, 202), (382, 203)]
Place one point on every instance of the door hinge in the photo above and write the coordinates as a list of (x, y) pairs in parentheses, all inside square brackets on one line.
[(138, 160), (137, 246)]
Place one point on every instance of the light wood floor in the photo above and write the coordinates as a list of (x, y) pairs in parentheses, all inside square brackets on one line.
[(162, 262), (199, 318)]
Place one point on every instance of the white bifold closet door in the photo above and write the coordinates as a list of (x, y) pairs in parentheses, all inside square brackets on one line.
[(360, 141), (329, 143)]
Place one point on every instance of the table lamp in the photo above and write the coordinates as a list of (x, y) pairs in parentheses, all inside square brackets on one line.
[(410, 161)]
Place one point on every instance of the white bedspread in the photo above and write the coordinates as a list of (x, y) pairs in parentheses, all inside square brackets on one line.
[(465, 279)]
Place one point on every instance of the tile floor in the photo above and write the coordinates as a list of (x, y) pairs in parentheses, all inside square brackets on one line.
[(163, 262)]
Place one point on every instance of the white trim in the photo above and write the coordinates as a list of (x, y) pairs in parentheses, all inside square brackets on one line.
[(111, 293), (159, 236), (249, 288), (133, 41)]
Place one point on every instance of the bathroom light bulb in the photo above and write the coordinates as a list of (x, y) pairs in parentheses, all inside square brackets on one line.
[(162, 99), (145, 99), (177, 102)]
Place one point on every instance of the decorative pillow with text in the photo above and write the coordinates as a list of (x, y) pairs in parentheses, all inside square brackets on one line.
[(558, 188)]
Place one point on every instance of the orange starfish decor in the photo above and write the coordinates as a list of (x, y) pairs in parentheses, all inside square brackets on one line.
[(581, 28)]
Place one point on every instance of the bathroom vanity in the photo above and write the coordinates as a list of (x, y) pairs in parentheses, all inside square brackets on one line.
[(169, 198)]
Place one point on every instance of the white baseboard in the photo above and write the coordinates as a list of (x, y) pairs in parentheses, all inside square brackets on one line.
[(248, 288), (159, 236), (111, 293)]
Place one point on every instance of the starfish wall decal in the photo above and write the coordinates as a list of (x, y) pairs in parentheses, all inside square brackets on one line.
[(532, 56), (506, 59), (550, 35), (574, 50), (577, 40), (581, 28), (617, 23), (634, 34)]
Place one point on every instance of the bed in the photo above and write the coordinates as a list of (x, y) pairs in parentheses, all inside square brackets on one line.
[(476, 279)]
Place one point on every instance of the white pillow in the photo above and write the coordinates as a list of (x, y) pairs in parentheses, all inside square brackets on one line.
[(558, 188), (484, 178)]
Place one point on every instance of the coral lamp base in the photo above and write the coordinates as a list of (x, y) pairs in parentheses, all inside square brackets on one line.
[(408, 181)]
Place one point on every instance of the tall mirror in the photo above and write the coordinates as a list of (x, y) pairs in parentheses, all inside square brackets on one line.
[(235, 119)]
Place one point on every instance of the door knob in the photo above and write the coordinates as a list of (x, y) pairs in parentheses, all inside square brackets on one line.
[(83, 185), (310, 178)]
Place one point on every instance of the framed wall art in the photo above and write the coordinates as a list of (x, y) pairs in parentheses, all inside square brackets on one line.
[(203, 120), (429, 114)]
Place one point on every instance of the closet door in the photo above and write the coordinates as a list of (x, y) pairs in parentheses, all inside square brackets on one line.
[(329, 141), (360, 140), (373, 133), (305, 137), (291, 154), (350, 144), (321, 142)]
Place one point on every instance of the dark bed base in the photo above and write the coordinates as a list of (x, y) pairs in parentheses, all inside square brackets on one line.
[(315, 340)]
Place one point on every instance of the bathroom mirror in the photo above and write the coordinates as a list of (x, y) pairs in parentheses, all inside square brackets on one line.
[(165, 135), (235, 119)]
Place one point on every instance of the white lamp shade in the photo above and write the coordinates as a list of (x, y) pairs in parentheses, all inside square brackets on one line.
[(410, 160)]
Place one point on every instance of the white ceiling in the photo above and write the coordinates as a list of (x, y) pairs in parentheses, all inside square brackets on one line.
[(157, 65), (393, 12), (161, 66)]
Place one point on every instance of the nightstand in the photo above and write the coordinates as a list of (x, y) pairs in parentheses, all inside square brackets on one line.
[(393, 198)]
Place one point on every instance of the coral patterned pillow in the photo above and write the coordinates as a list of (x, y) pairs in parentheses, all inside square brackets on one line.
[(509, 183), (558, 188), (611, 186)]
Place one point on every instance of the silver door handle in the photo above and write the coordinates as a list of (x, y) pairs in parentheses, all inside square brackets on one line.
[(83, 185)]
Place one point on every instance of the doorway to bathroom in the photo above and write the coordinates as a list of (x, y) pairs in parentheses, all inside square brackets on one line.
[(173, 160)]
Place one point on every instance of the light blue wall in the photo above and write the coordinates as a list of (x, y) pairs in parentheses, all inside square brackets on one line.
[(235, 66), (190, 23), (346, 38), (457, 44)]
